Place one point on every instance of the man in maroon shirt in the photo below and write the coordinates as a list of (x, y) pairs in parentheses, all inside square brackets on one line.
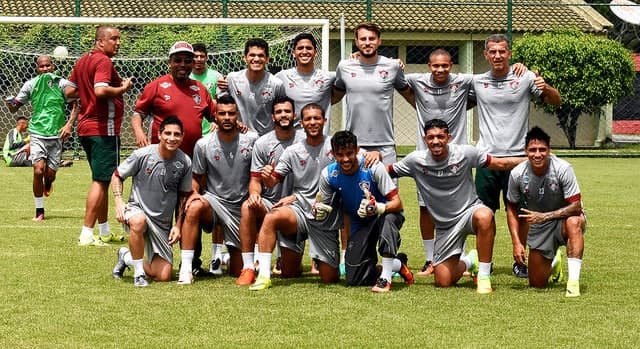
[(100, 89)]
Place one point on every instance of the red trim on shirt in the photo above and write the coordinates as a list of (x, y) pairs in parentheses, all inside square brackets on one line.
[(488, 162), (391, 194), (256, 174), (574, 198)]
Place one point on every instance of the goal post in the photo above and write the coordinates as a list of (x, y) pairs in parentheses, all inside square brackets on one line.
[(144, 48)]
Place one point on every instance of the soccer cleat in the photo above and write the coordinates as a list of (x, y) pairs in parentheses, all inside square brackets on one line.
[(92, 241), (262, 283), (427, 269), (186, 279), (48, 188), (314, 268), (484, 285), (573, 289), (405, 273), (118, 269), (475, 263), (520, 270), (556, 272), (381, 286), (246, 278), (277, 267), (199, 272), (140, 281), (215, 267), (38, 217), (112, 237)]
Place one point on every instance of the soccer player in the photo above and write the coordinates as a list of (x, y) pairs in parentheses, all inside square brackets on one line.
[(445, 181), (502, 100), (161, 184), (221, 167), (302, 162), (544, 192), (304, 83), (369, 82), (207, 76), (47, 127), (16, 144), (266, 152), (174, 94), (100, 89), (370, 198), (254, 88)]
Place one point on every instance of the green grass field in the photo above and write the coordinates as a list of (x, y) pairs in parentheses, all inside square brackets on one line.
[(55, 294)]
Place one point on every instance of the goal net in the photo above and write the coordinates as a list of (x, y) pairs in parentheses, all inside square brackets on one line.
[(143, 53)]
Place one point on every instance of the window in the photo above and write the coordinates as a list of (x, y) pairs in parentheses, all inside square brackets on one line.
[(420, 54), (387, 51)]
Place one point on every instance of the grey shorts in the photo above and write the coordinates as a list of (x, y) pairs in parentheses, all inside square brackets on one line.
[(20, 159), (547, 237), (388, 153), (450, 240), (287, 242), (228, 216), (325, 241), (155, 241), (49, 149)]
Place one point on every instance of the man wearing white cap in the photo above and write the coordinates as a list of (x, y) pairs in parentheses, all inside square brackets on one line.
[(174, 94)]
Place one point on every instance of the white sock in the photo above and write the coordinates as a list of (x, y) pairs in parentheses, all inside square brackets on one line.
[(138, 267), (126, 257), (217, 253), (484, 269), (265, 260), (187, 261), (428, 249), (397, 265), (387, 268), (467, 261), (86, 233), (39, 202), (104, 229), (256, 251), (225, 258), (574, 266), (247, 260), (342, 254)]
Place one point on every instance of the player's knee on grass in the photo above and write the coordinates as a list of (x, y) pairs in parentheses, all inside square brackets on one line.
[(290, 263), (235, 261), (328, 274), (539, 269), (447, 273)]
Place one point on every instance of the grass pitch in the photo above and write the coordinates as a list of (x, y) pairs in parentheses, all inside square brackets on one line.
[(55, 294)]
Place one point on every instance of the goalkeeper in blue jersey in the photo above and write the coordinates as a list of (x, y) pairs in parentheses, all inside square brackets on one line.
[(370, 198)]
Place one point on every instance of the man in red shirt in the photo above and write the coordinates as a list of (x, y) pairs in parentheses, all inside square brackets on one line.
[(174, 94), (95, 81)]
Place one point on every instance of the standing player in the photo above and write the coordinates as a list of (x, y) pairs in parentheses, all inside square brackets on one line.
[(47, 127), (302, 162), (502, 100), (161, 184), (369, 82), (207, 76), (266, 152), (221, 167), (254, 88), (445, 181), (95, 81), (304, 83), (370, 198), (544, 192)]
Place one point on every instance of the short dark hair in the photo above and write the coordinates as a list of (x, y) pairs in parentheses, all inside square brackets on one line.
[(436, 123), (538, 134), (200, 47), (343, 139), (256, 42), (21, 118), (311, 106), (171, 120), (226, 99), (440, 52), (370, 26), (496, 38), (304, 36), (280, 100)]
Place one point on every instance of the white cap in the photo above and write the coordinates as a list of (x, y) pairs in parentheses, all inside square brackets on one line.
[(181, 46)]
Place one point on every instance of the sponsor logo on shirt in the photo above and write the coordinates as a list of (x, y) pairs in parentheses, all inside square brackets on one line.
[(194, 88), (165, 85), (166, 97)]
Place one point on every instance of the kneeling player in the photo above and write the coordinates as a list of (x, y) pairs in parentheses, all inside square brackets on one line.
[(374, 220), (161, 176)]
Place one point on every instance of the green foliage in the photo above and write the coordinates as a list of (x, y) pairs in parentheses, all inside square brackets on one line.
[(589, 71)]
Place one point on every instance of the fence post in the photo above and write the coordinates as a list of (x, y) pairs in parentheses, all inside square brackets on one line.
[(369, 10)]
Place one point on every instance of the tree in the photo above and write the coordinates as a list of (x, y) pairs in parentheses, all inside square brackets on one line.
[(588, 71)]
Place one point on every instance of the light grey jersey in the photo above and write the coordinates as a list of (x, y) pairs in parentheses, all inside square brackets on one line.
[(447, 102), (556, 189), (309, 88), (226, 165), (255, 101), (447, 186), (156, 183), (503, 111), (267, 150), (369, 92)]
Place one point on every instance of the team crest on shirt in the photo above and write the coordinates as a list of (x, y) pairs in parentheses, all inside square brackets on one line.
[(485, 84), (454, 168), (553, 184), (303, 162), (353, 75), (514, 84), (197, 99), (334, 173), (245, 152), (165, 85), (166, 97), (267, 92), (179, 165), (365, 185), (426, 89), (318, 83), (194, 88), (291, 85), (383, 74), (454, 88), (525, 184)]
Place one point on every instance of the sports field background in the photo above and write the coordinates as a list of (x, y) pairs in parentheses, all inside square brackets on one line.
[(54, 294)]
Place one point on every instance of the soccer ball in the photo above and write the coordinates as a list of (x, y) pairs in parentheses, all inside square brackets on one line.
[(60, 52)]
